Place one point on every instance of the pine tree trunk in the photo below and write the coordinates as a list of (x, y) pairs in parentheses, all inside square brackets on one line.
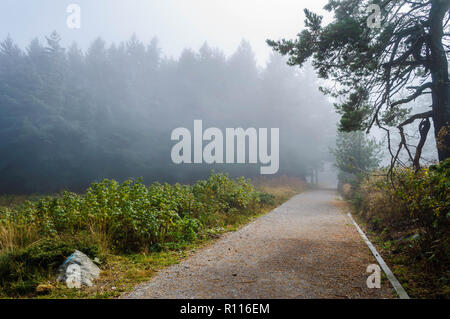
[(439, 75)]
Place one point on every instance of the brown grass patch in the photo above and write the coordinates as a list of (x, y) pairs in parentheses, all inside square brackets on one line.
[(280, 186), (340, 204)]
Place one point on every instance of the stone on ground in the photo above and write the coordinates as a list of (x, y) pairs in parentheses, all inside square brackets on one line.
[(78, 270)]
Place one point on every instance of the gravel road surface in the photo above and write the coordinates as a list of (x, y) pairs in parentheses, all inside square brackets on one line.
[(306, 248)]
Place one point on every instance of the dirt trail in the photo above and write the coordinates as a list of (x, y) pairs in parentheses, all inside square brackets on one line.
[(305, 248)]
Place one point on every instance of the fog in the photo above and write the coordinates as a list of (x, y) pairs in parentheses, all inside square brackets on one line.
[(78, 106), (177, 24)]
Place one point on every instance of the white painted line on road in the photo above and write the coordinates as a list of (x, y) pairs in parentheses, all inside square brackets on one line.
[(395, 283)]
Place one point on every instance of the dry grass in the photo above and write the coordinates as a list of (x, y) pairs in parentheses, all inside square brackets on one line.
[(282, 187), (346, 190), (343, 206), (120, 273), (14, 236)]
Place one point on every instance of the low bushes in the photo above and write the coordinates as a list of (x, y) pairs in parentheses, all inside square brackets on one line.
[(36, 236), (130, 216), (411, 211)]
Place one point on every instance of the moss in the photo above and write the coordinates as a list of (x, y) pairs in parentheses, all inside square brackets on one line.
[(22, 270)]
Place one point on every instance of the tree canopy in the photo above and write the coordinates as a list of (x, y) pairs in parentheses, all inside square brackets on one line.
[(355, 156), (380, 55)]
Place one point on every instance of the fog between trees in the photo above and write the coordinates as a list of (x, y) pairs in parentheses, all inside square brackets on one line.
[(70, 117)]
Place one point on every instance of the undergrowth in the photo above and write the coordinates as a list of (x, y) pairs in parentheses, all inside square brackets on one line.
[(410, 217), (116, 223)]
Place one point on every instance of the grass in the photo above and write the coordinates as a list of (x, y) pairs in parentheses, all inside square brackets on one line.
[(121, 272), (282, 187), (407, 216), (418, 283)]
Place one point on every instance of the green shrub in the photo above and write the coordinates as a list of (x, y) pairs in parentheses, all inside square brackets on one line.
[(132, 216), (36, 236), (412, 200), (23, 269), (413, 209), (266, 198)]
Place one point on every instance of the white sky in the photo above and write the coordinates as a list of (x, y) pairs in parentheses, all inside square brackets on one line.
[(176, 23)]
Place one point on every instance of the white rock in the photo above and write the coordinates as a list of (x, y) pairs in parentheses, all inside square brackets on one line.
[(78, 270)]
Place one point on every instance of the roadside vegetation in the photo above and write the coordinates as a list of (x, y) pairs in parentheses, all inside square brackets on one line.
[(409, 217), (131, 230), (404, 210), (393, 76)]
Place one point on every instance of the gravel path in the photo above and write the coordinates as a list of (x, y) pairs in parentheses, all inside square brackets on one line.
[(305, 248)]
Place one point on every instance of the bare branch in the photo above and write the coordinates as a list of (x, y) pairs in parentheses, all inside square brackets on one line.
[(416, 94), (416, 117)]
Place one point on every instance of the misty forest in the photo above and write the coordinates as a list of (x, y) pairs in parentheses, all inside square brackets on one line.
[(70, 117), (93, 201)]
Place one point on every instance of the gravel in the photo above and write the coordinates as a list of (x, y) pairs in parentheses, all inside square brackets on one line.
[(305, 248)]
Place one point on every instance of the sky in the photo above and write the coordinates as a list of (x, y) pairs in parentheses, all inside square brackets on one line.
[(177, 24)]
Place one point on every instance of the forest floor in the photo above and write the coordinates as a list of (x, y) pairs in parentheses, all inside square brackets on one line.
[(306, 248)]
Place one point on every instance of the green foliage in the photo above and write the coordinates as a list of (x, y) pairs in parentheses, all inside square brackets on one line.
[(415, 206), (355, 154), (354, 114), (266, 198), (375, 69), (415, 199), (23, 269), (133, 216), (125, 218), (345, 50), (72, 116)]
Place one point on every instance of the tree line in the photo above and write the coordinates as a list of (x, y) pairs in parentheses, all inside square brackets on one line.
[(70, 117)]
